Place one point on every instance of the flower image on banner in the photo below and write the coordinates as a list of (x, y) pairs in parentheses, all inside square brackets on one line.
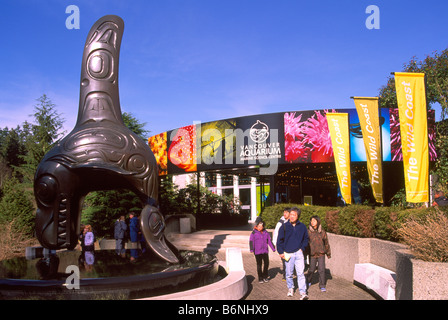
[(158, 146), (318, 137), (295, 149), (182, 150), (308, 140), (218, 142)]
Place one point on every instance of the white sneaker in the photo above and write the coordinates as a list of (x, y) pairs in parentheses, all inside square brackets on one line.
[(304, 296), (290, 292)]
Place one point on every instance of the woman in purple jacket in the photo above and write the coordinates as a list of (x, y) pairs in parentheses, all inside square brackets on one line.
[(258, 243)]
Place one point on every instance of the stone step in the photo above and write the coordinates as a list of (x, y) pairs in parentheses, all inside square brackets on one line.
[(210, 238), (215, 234), (209, 241), (201, 246)]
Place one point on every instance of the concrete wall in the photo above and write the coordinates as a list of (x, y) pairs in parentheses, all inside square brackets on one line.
[(430, 280), (173, 223), (415, 279), (347, 251), (420, 280), (383, 253)]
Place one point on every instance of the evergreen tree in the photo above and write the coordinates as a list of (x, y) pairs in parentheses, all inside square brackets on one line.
[(135, 126), (12, 147), (436, 70), (12, 150), (5, 173), (44, 134), (16, 207), (102, 208), (168, 193)]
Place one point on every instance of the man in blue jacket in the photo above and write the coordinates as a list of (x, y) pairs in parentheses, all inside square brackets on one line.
[(291, 243), (119, 233), (134, 231)]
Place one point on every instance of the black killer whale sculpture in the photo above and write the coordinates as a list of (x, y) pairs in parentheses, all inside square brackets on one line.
[(100, 153)]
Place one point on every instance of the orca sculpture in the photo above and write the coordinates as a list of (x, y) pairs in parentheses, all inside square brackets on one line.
[(100, 153)]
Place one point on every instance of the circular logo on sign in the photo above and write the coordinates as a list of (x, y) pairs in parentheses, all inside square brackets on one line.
[(259, 132)]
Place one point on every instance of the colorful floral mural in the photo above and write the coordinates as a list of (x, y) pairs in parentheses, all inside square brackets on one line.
[(308, 140), (182, 148), (157, 144), (303, 137)]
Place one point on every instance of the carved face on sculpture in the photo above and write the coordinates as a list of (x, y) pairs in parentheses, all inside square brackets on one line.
[(100, 153)]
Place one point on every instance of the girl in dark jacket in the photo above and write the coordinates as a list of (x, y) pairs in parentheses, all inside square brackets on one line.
[(259, 241), (318, 248)]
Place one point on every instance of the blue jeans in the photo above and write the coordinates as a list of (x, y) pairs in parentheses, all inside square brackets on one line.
[(296, 261)]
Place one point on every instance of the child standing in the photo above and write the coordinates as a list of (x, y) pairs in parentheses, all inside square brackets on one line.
[(319, 247), (259, 241)]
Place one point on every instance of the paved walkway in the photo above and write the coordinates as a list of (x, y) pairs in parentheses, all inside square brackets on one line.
[(275, 289)]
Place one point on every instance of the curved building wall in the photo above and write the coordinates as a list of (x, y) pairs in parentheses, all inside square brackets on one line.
[(270, 140)]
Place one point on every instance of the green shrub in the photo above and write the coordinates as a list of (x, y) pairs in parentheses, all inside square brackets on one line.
[(332, 220), (354, 220), (385, 223), (309, 211), (346, 223), (271, 215), (357, 221)]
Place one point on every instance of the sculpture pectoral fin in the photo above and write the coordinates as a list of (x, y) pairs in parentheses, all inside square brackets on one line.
[(152, 225)]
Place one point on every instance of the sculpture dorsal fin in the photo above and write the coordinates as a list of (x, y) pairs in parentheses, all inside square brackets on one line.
[(99, 98)]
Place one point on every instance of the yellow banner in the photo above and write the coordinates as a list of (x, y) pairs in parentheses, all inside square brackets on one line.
[(338, 126), (411, 99), (370, 126)]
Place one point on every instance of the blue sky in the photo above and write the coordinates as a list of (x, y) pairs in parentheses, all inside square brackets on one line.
[(184, 61)]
